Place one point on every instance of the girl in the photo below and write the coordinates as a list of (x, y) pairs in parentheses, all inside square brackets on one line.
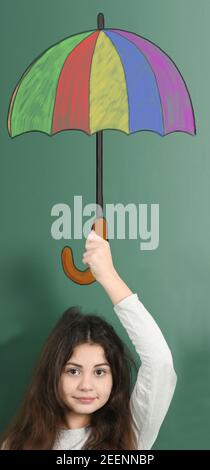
[(80, 396)]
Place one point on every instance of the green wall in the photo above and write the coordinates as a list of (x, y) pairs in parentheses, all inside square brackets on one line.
[(37, 172)]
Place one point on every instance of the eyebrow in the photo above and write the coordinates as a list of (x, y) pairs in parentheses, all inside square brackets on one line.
[(79, 365)]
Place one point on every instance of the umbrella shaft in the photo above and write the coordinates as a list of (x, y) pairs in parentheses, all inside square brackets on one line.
[(99, 171), (100, 21)]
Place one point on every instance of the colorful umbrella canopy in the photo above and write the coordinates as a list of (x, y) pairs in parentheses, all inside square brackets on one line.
[(102, 79), (96, 80)]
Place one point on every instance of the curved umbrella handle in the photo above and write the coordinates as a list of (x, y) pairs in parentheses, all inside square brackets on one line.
[(82, 277)]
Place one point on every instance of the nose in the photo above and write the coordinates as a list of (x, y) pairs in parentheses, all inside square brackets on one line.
[(85, 382)]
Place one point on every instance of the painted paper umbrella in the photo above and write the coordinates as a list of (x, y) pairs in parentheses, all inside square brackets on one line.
[(96, 80)]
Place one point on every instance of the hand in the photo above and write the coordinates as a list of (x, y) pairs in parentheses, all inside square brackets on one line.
[(98, 257)]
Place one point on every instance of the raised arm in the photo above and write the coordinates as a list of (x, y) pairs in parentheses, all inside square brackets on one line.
[(156, 379)]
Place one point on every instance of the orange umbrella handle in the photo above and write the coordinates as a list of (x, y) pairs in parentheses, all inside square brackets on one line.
[(82, 277)]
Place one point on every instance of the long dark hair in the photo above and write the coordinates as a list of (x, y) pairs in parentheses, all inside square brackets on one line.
[(42, 410)]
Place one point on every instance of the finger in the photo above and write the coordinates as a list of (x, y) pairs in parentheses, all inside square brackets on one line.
[(90, 256), (85, 260), (95, 242), (91, 241), (92, 245), (93, 236), (87, 255), (89, 252)]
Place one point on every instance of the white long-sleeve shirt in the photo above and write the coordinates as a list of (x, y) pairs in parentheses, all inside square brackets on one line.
[(155, 383)]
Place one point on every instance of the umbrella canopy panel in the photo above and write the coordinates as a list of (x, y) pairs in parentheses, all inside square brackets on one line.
[(102, 79)]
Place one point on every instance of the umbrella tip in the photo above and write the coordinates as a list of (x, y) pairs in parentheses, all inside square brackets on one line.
[(100, 21)]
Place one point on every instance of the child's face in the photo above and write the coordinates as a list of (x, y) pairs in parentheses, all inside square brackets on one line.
[(87, 374)]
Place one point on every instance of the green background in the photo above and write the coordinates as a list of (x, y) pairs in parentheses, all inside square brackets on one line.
[(37, 171)]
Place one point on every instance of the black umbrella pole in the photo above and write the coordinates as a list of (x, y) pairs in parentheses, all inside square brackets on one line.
[(99, 150), (99, 173)]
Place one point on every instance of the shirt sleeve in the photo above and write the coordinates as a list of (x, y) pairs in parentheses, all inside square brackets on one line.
[(156, 378)]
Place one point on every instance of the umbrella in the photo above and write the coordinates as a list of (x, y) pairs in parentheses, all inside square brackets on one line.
[(96, 80)]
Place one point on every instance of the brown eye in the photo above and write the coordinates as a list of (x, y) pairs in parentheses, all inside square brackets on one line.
[(72, 371), (100, 372)]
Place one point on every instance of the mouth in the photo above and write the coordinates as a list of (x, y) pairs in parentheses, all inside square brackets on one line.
[(85, 399)]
